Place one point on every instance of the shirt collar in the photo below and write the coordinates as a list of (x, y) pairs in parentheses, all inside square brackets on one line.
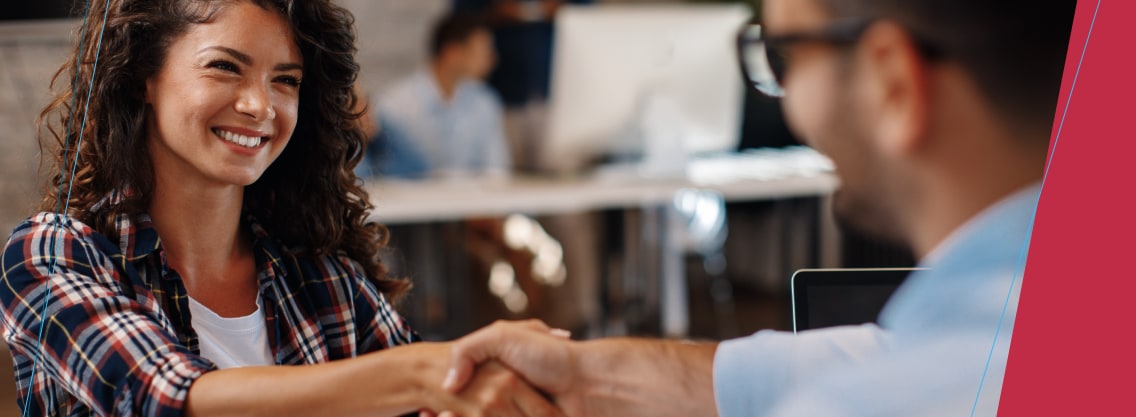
[(434, 91), (138, 238), (969, 273), (1009, 204), (268, 252)]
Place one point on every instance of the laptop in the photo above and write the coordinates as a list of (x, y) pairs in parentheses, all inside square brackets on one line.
[(837, 297)]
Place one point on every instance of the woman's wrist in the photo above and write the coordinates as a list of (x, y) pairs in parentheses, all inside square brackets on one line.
[(422, 366)]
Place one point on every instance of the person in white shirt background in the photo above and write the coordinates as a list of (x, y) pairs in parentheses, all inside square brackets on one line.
[(443, 120), (937, 115)]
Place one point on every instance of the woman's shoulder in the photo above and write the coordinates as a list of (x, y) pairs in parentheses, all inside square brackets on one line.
[(48, 233), (47, 245), (46, 224)]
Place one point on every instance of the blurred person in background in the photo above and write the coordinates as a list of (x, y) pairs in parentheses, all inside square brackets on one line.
[(443, 120), (523, 33), (524, 38)]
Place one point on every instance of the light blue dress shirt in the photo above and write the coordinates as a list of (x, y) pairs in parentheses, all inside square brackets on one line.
[(940, 348), (460, 136)]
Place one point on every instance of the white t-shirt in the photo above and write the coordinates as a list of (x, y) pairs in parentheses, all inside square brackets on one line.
[(231, 342)]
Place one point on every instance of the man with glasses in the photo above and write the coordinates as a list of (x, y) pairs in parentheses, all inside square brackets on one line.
[(937, 115)]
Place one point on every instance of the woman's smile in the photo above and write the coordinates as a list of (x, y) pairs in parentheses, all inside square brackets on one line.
[(245, 138)]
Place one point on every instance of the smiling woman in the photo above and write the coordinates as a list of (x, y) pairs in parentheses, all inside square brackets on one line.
[(206, 226)]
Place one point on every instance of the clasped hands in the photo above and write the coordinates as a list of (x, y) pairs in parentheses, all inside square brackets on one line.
[(511, 369)]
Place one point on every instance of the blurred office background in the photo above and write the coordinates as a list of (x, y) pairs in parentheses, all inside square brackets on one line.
[(738, 288)]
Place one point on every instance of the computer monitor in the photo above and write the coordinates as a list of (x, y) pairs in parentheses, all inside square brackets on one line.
[(657, 82), (837, 297)]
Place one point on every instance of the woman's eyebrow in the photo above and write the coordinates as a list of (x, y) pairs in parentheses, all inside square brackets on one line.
[(238, 55), (289, 66), (247, 60)]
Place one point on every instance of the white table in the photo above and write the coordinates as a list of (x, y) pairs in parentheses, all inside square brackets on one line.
[(439, 200), (401, 202)]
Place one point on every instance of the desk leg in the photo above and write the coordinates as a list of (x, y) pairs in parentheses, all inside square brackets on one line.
[(623, 278), (419, 245), (674, 305), (642, 279), (653, 275), (437, 264)]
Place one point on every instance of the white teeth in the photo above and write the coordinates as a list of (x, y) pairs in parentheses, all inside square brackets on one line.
[(246, 141)]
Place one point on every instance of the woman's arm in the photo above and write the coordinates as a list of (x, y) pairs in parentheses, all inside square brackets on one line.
[(112, 354), (99, 346), (385, 383)]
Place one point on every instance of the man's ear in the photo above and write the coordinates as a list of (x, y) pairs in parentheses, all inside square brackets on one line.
[(895, 88)]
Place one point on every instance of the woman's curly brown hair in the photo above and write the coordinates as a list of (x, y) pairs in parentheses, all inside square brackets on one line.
[(309, 197)]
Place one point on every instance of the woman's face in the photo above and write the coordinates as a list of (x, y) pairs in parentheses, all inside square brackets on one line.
[(223, 105)]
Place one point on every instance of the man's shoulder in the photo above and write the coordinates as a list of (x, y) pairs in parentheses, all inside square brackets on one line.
[(937, 378), (404, 91)]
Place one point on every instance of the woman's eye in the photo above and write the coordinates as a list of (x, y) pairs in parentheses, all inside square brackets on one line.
[(288, 80), (224, 66)]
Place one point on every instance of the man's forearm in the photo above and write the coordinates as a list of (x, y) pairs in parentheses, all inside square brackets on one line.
[(631, 377)]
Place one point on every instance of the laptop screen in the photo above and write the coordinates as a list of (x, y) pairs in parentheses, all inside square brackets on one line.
[(837, 297)]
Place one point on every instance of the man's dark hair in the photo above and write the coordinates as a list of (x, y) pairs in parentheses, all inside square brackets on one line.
[(454, 29), (1014, 49)]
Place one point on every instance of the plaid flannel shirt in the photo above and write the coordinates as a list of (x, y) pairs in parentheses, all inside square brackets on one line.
[(117, 338)]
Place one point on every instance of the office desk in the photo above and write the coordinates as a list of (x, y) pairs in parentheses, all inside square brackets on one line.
[(440, 200), (403, 202)]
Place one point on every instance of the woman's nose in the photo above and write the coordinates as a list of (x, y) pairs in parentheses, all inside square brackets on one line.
[(255, 102)]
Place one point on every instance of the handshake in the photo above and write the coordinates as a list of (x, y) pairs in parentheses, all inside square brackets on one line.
[(529, 369)]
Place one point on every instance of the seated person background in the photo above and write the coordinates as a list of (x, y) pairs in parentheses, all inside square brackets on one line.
[(523, 34), (443, 120), (391, 154)]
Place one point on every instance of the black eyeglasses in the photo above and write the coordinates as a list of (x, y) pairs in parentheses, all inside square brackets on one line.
[(762, 58)]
